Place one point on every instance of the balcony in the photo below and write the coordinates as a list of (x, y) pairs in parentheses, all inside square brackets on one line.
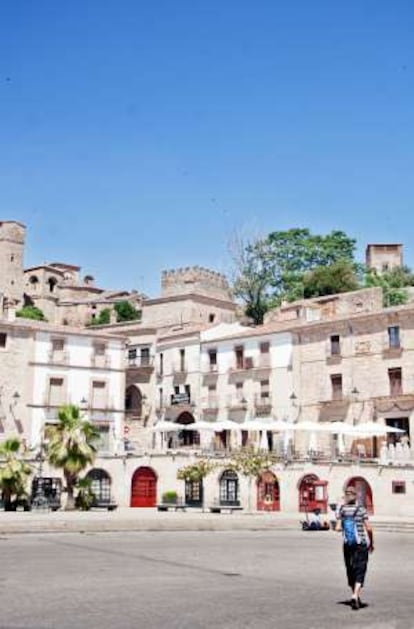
[(392, 402), (262, 406), (179, 372), (100, 361), (210, 405), (237, 403), (334, 410), (58, 357), (211, 373), (392, 351), (242, 368), (139, 369)]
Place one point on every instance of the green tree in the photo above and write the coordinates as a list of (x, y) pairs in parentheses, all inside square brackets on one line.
[(14, 472), (393, 283), (339, 277), (31, 312), (251, 464), (196, 472), (71, 446), (103, 318), (125, 311), (273, 269)]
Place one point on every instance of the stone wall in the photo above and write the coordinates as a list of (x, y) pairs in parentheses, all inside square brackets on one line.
[(196, 280)]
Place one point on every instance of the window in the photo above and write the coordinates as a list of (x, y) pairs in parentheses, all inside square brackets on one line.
[(239, 390), (160, 394), (264, 389), (99, 394), (395, 380), (161, 364), (212, 357), (100, 349), (398, 486), (103, 442), (182, 359), (229, 488), (394, 336), (239, 353), (335, 345), (3, 339), (132, 355), (145, 356), (58, 345), (264, 348), (187, 389), (211, 318), (55, 392), (336, 384)]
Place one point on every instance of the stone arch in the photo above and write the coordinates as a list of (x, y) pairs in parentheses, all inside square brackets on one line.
[(229, 488), (187, 437), (268, 492), (52, 282), (364, 492), (133, 402)]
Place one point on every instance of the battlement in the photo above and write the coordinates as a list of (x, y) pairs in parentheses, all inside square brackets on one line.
[(12, 231), (195, 279)]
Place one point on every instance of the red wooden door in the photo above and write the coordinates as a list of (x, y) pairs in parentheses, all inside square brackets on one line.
[(364, 492), (144, 488), (268, 496)]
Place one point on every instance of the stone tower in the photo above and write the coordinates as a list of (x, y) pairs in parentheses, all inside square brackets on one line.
[(195, 280), (384, 257), (12, 239)]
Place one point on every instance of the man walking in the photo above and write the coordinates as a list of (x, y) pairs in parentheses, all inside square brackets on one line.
[(352, 520)]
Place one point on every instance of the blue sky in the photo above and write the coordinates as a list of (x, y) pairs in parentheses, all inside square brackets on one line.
[(140, 135)]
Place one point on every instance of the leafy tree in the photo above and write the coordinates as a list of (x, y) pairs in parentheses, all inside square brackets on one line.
[(85, 496), (125, 311), (71, 446), (31, 312), (393, 284), (339, 277), (273, 269), (103, 318), (253, 280), (196, 472), (14, 472), (251, 464)]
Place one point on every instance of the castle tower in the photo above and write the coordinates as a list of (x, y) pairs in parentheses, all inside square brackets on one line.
[(384, 257), (12, 240), (195, 280)]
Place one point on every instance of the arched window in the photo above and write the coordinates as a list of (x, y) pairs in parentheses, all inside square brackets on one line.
[(229, 488), (100, 485), (52, 284), (34, 282)]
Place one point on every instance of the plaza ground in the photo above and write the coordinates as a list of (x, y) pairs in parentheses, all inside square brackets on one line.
[(199, 579)]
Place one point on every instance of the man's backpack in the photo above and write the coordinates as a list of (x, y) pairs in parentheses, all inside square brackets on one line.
[(349, 528)]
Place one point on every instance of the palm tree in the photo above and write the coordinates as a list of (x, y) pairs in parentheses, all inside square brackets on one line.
[(71, 446), (14, 472)]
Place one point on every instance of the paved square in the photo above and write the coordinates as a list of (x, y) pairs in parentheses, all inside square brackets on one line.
[(276, 579)]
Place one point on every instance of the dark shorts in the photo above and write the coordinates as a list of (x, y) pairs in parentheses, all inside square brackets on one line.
[(356, 562)]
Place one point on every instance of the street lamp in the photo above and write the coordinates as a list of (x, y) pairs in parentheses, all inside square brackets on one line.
[(40, 501)]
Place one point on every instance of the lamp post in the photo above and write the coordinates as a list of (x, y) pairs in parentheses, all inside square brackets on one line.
[(40, 500)]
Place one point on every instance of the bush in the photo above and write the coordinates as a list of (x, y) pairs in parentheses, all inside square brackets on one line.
[(31, 312), (170, 496)]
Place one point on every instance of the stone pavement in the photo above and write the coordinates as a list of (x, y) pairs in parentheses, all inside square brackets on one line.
[(126, 519)]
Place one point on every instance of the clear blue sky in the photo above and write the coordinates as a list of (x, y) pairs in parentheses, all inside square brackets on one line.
[(138, 135)]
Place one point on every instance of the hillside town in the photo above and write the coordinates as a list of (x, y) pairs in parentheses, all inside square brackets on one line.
[(322, 390)]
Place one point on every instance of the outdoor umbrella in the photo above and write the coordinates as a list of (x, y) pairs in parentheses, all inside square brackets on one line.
[(373, 429), (200, 425), (226, 424), (164, 426), (264, 444)]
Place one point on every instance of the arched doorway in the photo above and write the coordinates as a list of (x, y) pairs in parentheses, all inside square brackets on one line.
[(133, 402), (194, 493), (229, 488), (307, 497), (268, 493), (313, 494), (187, 437), (100, 485), (144, 488), (364, 492)]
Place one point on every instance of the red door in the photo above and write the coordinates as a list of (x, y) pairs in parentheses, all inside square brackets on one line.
[(307, 494), (144, 488), (268, 497), (364, 492)]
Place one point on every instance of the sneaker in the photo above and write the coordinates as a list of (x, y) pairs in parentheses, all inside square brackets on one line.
[(355, 603)]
